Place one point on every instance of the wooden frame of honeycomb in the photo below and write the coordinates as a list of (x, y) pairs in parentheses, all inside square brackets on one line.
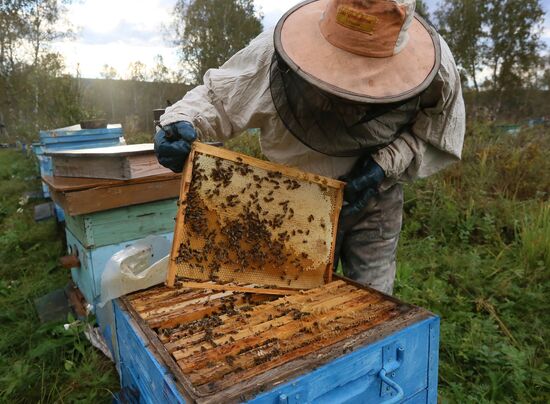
[(250, 222)]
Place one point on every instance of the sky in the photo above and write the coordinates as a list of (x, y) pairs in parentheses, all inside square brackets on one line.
[(132, 30)]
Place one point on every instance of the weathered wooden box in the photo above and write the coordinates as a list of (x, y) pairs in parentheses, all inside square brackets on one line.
[(121, 162), (335, 344), (119, 225), (81, 196), (73, 138)]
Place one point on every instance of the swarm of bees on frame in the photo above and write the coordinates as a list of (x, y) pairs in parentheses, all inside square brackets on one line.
[(252, 237)]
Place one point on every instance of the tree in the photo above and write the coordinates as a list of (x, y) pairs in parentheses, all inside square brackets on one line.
[(208, 32), (137, 71), (28, 67), (514, 32), (422, 9), (108, 72), (461, 23), (545, 74), (160, 72)]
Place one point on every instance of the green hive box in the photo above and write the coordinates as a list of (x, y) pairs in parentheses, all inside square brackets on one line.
[(118, 225)]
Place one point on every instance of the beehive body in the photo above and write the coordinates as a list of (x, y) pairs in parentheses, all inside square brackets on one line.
[(328, 343), (92, 263), (122, 224), (247, 221)]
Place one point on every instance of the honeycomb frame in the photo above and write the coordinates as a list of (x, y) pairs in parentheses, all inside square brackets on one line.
[(247, 221)]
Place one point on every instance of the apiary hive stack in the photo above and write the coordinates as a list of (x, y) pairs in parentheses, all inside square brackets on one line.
[(249, 221)]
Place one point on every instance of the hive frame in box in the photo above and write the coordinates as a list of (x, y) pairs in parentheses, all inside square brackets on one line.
[(333, 189), (304, 372)]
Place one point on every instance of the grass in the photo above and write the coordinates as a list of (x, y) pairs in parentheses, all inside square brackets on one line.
[(38, 363), (475, 249)]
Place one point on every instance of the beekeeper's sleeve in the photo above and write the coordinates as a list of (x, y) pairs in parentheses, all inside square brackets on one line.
[(437, 134), (233, 98)]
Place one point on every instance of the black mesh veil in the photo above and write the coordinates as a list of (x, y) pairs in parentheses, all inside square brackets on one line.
[(327, 123)]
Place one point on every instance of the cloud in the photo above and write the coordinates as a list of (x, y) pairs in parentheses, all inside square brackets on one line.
[(117, 32), (90, 58), (126, 31)]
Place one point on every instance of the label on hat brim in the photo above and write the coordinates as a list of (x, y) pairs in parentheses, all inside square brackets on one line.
[(356, 20)]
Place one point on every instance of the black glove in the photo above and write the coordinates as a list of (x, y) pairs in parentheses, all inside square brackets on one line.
[(361, 185), (173, 144)]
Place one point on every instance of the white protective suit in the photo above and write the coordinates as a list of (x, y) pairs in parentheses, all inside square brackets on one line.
[(237, 97)]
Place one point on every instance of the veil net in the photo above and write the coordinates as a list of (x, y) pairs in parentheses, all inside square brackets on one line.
[(330, 124)]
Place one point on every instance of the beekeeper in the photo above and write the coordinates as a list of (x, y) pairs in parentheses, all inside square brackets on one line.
[(361, 90)]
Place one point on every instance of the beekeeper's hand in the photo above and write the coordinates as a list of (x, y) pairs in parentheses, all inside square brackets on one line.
[(173, 144), (361, 185)]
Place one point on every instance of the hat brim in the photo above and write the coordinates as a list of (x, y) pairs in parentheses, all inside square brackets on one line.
[(299, 41)]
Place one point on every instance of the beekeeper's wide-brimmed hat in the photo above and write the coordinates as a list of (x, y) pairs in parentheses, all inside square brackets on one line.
[(373, 51)]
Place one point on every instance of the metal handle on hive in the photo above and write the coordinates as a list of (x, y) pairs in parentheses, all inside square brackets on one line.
[(392, 363)]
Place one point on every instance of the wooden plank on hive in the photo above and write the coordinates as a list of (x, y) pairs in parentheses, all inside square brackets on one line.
[(68, 184), (144, 304), (195, 311), (111, 197), (185, 311), (247, 220), (155, 293), (204, 299), (286, 344), (237, 288), (281, 328), (115, 162), (281, 319)]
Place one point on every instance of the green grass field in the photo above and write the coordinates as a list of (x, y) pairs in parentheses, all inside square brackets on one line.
[(475, 249)]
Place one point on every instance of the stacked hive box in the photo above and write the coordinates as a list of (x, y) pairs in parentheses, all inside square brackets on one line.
[(104, 216), (333, 344), (73, 137), (95, 237)]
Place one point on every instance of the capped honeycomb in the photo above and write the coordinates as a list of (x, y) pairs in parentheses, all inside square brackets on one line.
[(252, 222)]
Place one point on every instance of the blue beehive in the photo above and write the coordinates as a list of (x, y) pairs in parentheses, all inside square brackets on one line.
[(45, 165), (393, 361), (92, 263), (88, 279)]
